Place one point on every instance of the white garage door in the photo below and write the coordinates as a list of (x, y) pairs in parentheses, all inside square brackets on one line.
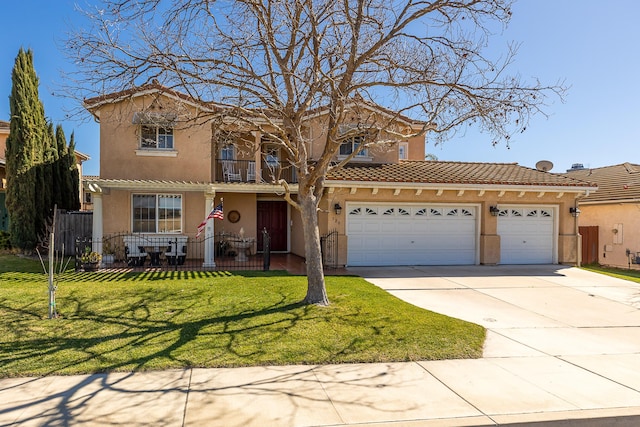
[(411, 235), (526, 235)]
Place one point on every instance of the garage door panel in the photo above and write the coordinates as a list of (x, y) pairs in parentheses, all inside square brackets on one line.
[(411, 235), (526, 236)]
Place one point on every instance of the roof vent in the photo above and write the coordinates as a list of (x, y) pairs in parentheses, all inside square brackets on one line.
[(576, 167)]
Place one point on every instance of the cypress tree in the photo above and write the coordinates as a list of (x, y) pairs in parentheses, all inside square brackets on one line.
[(48, 165), (24, 153), (60, 173), (74, 176)]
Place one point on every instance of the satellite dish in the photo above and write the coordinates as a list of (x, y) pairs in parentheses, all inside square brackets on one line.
[(544, 165)]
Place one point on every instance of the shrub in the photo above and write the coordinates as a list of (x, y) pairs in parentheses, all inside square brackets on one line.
[(5, 240)]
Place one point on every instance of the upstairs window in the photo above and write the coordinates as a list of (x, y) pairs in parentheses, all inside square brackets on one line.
[(403, 151), (156, 137), (228, 152), (350, 145), (156, 130)]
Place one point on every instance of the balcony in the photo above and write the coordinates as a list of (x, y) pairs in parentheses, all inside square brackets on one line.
[(247, 171)]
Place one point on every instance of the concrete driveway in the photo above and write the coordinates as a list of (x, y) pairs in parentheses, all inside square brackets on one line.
[(528, 310), (556, 336)]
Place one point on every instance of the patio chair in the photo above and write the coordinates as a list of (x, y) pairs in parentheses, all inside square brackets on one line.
[(135, 257), (229, 171), (177, 257)]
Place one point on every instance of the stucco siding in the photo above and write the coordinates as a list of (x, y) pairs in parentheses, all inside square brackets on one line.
[(624, 218), (488, 240), (121, 157)]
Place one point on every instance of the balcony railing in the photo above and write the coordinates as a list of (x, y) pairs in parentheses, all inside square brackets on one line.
[(248, 171)]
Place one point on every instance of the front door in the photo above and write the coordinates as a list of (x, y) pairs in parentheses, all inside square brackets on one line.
[(272, 215)]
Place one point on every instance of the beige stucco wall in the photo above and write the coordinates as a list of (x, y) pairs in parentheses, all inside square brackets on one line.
[(245, 205), (119, 144), (612, 246), (488, 240), (117, 217), (383, 154)]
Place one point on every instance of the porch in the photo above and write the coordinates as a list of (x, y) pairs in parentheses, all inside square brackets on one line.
[(249, 171), (153, 254)]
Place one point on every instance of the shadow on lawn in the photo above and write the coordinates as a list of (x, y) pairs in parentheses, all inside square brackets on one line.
[(155, 326)]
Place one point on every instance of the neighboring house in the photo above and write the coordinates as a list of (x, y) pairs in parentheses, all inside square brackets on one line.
[(4, 134), (610, 218), (163, 166)]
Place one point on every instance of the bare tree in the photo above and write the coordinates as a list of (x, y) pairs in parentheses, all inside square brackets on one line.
[(273, 63)]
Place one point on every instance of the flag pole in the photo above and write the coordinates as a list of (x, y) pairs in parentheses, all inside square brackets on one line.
[(209, 236)]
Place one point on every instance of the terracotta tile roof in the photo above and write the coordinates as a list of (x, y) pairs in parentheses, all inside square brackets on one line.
[(4, 125), (91, 103), (363, 103), (615, 183), (441, 172)]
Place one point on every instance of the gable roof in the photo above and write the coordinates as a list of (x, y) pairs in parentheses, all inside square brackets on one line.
[(455, 173), (359, 102), (616, 183), (94, 103)]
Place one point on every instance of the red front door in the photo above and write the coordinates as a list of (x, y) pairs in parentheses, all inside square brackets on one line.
[(272, 215)]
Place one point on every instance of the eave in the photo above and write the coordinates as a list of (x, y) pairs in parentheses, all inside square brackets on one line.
[(580, 190), (99, 185)]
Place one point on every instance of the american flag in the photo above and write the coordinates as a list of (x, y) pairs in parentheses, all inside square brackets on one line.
[(217, 213)]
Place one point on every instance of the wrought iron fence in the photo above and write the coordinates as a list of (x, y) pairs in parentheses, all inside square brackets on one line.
[(329, 247), (223, 251)]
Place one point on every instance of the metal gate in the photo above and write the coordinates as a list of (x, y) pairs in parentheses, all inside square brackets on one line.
[(329, 247)]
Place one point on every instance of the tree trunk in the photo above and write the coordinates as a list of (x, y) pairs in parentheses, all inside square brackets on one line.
[(316, 291)]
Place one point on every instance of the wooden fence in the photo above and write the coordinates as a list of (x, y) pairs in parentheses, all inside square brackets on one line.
[(72, 225)]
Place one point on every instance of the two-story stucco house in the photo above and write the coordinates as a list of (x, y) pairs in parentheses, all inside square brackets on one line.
[(164, 164)]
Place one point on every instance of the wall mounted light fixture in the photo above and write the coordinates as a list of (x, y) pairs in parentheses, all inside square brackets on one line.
[(575, 212), (337, 208), (494, 211)]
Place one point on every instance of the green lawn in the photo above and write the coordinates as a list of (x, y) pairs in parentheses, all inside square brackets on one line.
[(149, 321), (626, 274)]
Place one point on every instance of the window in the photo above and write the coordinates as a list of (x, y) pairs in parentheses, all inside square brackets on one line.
[(350, 145), (228, 152), (403, 151), (157, 213), (156, 137), (272, 156)]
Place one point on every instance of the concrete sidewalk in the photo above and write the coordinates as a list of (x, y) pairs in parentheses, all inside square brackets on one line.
[(563, 344)]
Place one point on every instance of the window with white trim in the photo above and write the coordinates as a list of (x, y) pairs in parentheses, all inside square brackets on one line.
[(157, 213), (156, 137), (403, 151), (350, 145), (228, 152)]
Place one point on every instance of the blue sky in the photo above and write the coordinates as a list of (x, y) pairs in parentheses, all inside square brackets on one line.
[(591, 45)]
